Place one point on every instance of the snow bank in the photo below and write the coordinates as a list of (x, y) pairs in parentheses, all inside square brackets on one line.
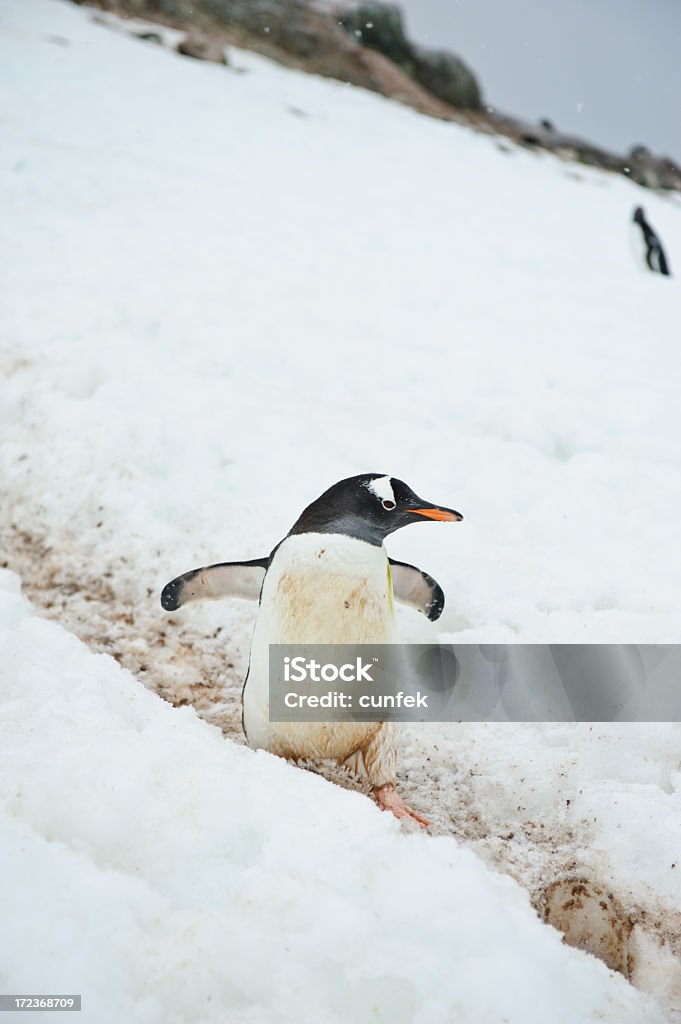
[(170, 875)]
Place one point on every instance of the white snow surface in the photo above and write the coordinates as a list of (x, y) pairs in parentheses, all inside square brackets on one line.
[(225, 289), (168, 875)]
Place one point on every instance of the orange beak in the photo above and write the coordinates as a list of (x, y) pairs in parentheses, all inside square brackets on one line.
[(444, 515)]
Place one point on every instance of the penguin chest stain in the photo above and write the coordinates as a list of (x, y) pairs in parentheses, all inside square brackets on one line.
[(328, 600)]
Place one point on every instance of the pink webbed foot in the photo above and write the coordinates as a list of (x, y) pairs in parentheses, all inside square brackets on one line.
[(388, 799)]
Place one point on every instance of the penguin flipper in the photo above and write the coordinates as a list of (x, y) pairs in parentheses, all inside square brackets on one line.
[(415, 588), (661, 264), (211, 582)]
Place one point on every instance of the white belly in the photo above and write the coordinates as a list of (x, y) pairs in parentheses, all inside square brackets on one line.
[(323, 589), (638, 247)]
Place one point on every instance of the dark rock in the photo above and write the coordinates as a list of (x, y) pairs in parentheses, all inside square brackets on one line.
[(528, 139), (380, 27), (447, 77), (149, 37), (203, 48)]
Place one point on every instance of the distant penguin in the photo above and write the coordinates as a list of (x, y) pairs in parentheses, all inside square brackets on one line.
[(648, 246), (328, 581)]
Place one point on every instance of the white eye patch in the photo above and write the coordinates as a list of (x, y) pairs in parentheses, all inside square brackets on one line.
[(383, 489)]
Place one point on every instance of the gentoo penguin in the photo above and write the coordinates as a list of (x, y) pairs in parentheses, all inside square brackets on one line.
[(328, 581), (648, 246)]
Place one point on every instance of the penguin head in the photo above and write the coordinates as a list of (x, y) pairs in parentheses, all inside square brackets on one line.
[(369, 507), (638, 215)]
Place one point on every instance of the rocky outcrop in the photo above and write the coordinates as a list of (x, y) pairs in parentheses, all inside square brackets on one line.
[(203, 48), (448, 78), (323, 38), (652, 171), (640, 165), (380, 27)]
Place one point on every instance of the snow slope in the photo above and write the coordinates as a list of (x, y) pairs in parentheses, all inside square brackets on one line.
[(231, 290), (223, 290), (240, 888)]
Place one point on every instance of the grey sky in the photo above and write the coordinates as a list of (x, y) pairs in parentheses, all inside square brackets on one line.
[(609, 70)]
